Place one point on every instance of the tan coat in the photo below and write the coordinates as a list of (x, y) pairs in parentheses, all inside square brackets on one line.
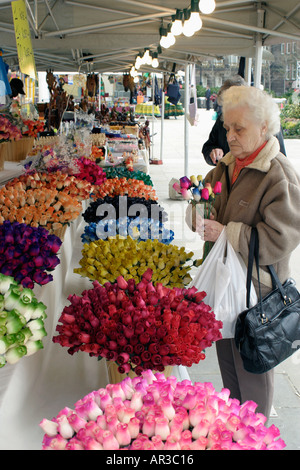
[(266, 195)]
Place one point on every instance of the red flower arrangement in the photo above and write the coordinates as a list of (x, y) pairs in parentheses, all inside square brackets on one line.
[(139, 326), (32, 127), (90, 171)]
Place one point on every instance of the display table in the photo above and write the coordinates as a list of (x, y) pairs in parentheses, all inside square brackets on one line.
[(39, 386)]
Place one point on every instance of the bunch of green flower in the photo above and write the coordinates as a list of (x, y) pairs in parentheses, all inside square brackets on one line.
[(21, 321)]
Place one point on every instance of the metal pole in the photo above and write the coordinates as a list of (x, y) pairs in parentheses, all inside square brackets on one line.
[(258, 47), (162, 118), (186, 123)]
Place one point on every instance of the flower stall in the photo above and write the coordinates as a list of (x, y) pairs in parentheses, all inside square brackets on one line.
[(97, 316)]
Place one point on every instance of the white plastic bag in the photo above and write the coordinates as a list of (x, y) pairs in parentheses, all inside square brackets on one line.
[(223, 277)]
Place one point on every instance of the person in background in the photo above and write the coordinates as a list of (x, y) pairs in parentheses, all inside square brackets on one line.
[(216, 146), (207, 97), (261, 189)]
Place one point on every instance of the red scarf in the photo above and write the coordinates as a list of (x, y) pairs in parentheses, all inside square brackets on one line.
[(240, 164)]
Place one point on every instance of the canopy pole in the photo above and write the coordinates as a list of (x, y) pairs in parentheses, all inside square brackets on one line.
[(258, 47), (186, 122), (162, 117), (248, 70)]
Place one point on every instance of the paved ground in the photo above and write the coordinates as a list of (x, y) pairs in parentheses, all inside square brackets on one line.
[(286, 407)]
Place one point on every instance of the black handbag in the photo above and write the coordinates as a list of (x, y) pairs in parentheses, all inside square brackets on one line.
[(173, 92), (269, 332)]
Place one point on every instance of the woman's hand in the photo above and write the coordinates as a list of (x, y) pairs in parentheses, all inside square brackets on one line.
[(210, 230)]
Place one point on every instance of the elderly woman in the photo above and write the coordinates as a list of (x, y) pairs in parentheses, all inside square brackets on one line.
[(216, 145), (259, 189)]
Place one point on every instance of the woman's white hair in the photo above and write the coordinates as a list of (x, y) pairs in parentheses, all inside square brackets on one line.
[(262, 107)]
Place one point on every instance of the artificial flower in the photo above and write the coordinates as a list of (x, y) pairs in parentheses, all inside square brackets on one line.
[(69, 184), (32, 128), (124, 206), (45, 207), (105, 260), (120, 172), (8, 130), (90, 171), (136, 227), (27, 253), (21, 321), (123, 186), (156, 413), (140, 325)]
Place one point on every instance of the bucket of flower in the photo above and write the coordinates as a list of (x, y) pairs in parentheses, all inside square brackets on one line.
[(138, 326)]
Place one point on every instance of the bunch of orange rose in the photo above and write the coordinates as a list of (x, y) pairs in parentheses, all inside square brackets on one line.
[(123, 186), (45, 207)]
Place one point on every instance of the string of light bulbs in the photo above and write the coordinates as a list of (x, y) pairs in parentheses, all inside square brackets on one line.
[(187, 22)]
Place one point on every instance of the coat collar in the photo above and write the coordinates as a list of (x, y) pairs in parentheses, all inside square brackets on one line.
[(263, 160)]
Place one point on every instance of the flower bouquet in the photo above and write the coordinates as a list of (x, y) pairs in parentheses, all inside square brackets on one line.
[(124, 206), (105, 260), (97, 154), (153, 412), (27, 253), (138, 325), (200, 194), (8, 130), (21, 321), (202, 197), (90, 171), (32, 128), (49, 158), (139, 229), (123, 186)]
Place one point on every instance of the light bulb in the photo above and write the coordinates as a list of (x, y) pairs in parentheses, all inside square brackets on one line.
[(188, 28), (207, 6), (136, 79), (176, 29), (164, 42), (171, 39), (155, 63), (196, 21)]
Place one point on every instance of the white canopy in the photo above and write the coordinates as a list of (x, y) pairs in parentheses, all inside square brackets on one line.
[(107, 35)]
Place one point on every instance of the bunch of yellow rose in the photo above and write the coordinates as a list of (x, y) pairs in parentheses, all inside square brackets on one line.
[(105, 260)]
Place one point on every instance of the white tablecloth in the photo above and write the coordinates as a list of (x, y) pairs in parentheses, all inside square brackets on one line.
[(41, 385)]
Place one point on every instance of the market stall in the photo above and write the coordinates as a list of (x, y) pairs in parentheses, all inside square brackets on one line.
[(107, 299)]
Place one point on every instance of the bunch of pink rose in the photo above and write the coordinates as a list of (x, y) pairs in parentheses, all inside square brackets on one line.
[(153, 412), (88, 170), (139, 326)]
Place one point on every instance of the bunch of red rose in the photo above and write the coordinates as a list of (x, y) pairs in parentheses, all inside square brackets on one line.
[(138, 325)]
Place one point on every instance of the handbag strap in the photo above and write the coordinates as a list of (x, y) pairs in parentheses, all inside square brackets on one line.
[(254, 255)]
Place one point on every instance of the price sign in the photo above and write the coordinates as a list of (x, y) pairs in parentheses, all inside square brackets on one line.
[(23, 39)]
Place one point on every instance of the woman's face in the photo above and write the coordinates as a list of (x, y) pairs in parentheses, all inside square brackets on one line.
[(244, 135)]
